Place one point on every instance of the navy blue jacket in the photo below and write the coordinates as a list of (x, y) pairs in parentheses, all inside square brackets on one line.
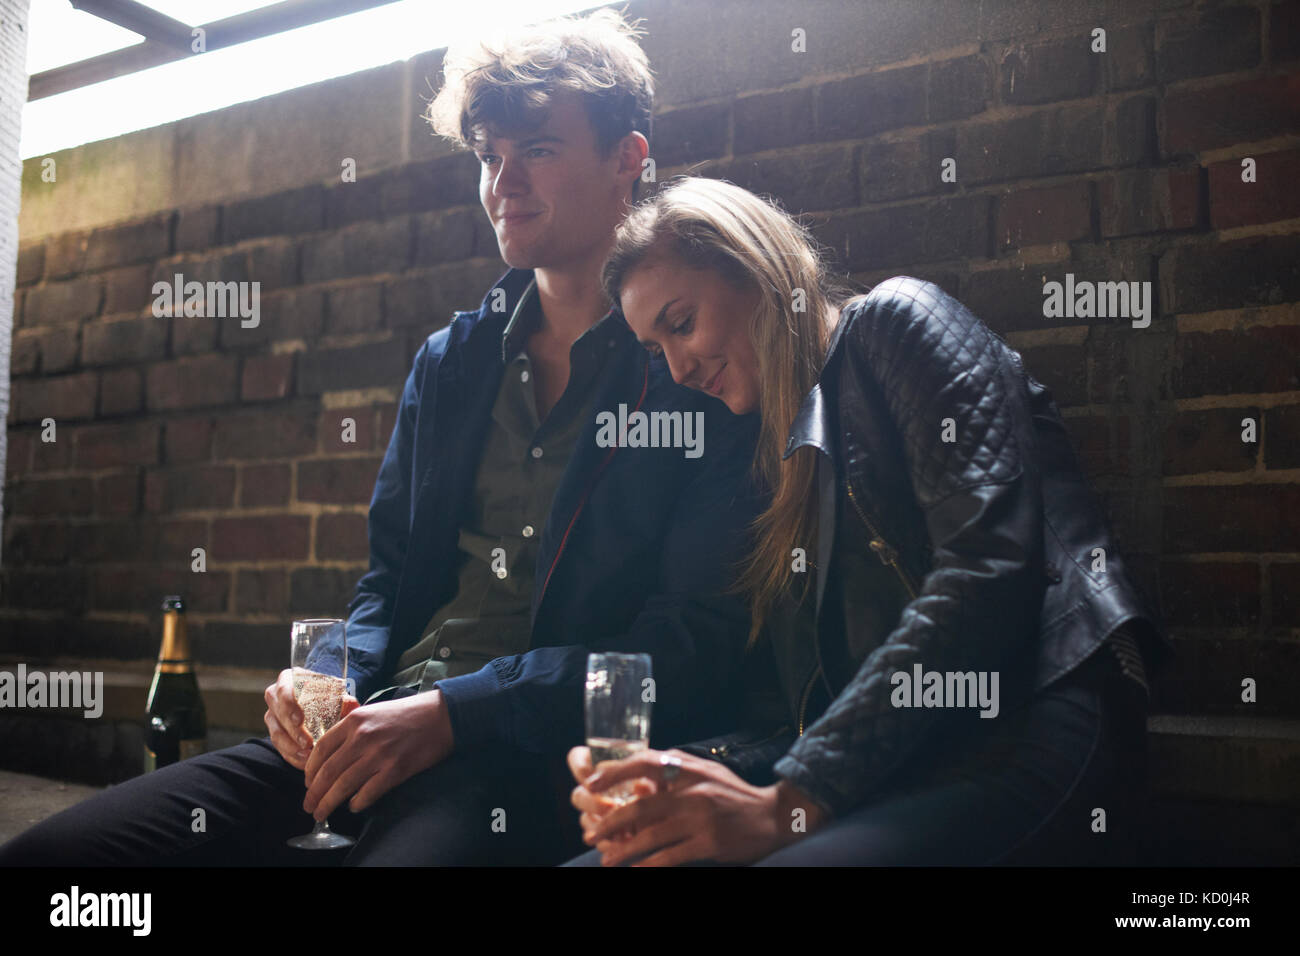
[(637, 553)]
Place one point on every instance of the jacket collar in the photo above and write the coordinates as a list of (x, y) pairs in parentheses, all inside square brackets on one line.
[(814, 424)]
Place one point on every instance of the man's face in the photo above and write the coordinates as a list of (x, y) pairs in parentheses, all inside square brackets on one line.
[(552, 199)]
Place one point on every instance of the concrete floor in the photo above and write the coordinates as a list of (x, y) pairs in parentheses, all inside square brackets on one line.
[(27, 799)]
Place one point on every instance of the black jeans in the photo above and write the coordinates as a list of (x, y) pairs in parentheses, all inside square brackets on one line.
[(509, 808), (1025, 788)]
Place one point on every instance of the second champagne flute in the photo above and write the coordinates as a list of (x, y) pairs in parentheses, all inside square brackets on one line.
[(618, 712)]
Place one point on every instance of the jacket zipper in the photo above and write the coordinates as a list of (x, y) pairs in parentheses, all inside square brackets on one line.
[(723, 749), (803, 699), (887, 554)]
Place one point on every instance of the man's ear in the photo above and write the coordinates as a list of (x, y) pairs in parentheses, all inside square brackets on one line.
[(632, 152)]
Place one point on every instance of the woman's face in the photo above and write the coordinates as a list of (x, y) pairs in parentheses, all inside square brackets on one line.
[(700, 322)]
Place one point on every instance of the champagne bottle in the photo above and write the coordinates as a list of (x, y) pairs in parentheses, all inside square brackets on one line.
[(176, 725)]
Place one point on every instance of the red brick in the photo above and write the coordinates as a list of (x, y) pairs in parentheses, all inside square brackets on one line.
[(131, 589), (261, 592), (289, 211), (1150, 200), (115, 339), (58, 348), (18, 455), (130, 242), (65, 254), (1235, 362), (197, 228), (418, 187), (67, 397), (319, 592), (1102, 443), (341, 537), (1047, 142), (1211, 41), (194, 334), (337, 480), (1284, 31), (690, 134), (1027, 217), (128, 289), (31, 261), (195, 487), (108, 446), (192, 382), (1218, 116), (266, 435), (188, 439), (330, 426), (769, 121), (53, 455), (118, 542), (50, 496), (25, 352), (358, 308), (36, 542), (1210, 593), (267, 377), (176, 540), (118, 494), (365, 249), (358, 366), (287, 314), (1272, 196), (1253, 518), (262, 486), (1284, 585), (63, 589), (1127, 63), (1282, 437), (121, 391), (264, 538), (1209, 441), (72, 301), (863, 105), (1050, 71), (1259, 270)]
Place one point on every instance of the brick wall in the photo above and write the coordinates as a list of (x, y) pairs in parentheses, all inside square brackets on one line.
[(1116, 166)]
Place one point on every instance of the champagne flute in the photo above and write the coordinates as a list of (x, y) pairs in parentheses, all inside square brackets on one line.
[(319, 657), (618, 701)]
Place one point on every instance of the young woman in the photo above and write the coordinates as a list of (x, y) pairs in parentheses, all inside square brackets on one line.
[(956, 655)]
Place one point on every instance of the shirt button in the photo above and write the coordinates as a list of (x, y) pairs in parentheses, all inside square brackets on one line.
[(612, 343), (502, 572), (523, 376), (528, 531), (537, 451), (444, 652)]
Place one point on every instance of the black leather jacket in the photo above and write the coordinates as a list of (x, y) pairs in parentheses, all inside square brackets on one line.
[(992, 536)]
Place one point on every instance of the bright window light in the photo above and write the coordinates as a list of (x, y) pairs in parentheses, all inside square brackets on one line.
[(58, 35)]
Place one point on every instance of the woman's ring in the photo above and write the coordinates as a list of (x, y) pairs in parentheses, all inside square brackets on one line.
[(672, 767)]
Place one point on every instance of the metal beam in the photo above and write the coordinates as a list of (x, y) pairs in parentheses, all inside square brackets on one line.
[(138, 18), (276, 18)]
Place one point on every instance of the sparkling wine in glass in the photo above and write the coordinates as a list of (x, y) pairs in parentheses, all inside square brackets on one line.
[(319, 657), (618, 712)]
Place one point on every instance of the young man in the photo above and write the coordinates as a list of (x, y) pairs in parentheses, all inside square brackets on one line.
[(506, 540)]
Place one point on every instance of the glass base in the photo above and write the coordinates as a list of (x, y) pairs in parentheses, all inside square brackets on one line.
[(322, 840)]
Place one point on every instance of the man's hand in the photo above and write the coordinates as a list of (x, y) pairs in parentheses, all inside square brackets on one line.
[(284, 720), (373, 749)]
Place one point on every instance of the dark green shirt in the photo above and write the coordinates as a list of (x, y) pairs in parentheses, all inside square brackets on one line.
[(523, 461)]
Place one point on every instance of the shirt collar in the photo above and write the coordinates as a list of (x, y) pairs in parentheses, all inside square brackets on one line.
[(523, 321), (527, 314)]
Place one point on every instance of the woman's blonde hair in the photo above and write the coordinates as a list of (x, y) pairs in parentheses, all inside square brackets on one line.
[(753, 244)]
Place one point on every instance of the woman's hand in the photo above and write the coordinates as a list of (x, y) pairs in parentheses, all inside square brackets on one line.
[(705, 813)]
